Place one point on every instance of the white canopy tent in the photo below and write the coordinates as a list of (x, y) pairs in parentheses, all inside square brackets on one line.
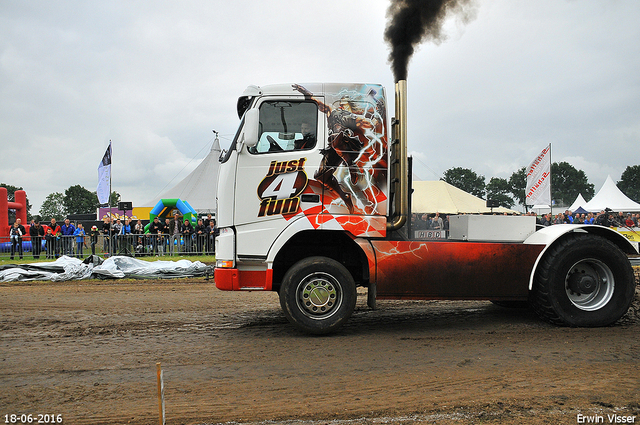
[(541, 209), (579, 202), (439, 196), (199, 187), (609, 196)]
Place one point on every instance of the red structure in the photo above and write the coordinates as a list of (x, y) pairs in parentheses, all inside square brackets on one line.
[(20, 205)]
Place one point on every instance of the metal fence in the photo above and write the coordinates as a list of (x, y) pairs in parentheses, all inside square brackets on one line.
[(135, 245)]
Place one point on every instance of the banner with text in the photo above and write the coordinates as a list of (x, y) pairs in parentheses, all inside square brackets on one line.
[(539, 179)]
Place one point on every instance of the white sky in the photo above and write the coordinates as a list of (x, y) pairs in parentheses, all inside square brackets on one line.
[(156, 77)]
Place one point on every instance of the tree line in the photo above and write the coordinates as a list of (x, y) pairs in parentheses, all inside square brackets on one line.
[(567, 183)]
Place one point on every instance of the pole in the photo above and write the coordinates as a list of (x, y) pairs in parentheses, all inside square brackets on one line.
[(160, 393), (111, 241), (550, 181)]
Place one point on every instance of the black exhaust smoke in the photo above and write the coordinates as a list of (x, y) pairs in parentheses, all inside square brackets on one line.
[(414, 21)]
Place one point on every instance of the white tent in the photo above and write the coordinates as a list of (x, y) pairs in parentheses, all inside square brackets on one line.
[(440, 196), (541, 209), (199, 187), (609, 196), (579, 202)]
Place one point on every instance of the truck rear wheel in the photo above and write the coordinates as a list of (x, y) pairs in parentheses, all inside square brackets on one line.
[(318, 295), (585, 280)]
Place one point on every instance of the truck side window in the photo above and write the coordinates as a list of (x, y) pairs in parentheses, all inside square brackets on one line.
[(287, 126)]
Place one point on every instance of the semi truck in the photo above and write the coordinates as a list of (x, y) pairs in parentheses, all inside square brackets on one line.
[(313, 201)]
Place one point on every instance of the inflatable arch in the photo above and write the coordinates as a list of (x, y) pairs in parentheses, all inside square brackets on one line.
[(165, 207), (20, 205)]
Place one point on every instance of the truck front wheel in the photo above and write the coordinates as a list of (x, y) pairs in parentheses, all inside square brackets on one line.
[(318, 295), (585, 280)]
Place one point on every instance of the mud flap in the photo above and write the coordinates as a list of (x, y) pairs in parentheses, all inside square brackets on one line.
[(371, 295)]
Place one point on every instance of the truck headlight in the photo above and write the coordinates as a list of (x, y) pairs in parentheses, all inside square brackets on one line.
[(224, 264)]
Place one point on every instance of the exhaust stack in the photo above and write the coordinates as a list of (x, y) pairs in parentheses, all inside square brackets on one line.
[(399, 176)]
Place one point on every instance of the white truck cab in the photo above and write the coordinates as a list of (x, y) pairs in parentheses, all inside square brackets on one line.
[(313, 198)]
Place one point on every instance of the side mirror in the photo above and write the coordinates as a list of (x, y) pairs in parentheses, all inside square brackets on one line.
[(251, 126)]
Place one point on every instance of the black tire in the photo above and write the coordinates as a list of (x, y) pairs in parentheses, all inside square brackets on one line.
[(318, 295), (584, 280)]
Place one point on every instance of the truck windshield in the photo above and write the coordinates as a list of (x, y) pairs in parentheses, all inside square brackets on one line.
[(286, 126)]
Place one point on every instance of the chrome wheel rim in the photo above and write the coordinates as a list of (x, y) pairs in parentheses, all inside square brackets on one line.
[(319, 295), (589, 284)]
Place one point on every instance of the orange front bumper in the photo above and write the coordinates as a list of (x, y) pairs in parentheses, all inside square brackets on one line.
[(244, 280)]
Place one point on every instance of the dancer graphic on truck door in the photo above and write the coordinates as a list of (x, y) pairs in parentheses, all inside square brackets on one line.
[(346, 139)]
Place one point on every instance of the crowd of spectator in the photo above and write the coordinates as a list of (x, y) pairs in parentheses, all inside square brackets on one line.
[(119, 237), (429, 222), (605, 218), (169, 237)]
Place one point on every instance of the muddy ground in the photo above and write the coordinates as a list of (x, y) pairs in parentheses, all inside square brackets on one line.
[(88, 351)]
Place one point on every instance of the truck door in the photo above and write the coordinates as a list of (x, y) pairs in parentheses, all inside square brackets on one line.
[(353, 170), (272, 175)]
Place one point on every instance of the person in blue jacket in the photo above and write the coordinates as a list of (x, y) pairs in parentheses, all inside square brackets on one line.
[(80, 243), (125, 235), (67, 230)]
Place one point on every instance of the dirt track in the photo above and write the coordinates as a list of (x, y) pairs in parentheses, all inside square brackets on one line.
[(88, 351)]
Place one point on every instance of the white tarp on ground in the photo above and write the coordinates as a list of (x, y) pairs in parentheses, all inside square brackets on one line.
[(609, 196), (117, 267)]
